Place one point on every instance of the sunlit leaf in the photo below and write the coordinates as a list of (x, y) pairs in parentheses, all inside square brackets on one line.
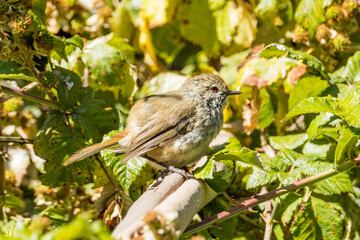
[(337, 184), (348, 138), (309, 86), (320, 120), (304, 226), (315, 105), (352, 69), (329, 217), (278, 50), (290, 141)]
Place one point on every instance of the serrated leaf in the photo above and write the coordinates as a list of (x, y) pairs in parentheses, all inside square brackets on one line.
[(18, 76), (55, 142), (108, 68), (304, 226), (337, 184), (132, 174), (314, 105), (320, 120), (309, 86), (289, 156), (287, 206), (290, 141), (197, 24), (233, 151), (278, 50), (217, 173), (310, 14), (329, 217), (348, 138), (352, 69), (260, 178), (68, 87), (350, 106)]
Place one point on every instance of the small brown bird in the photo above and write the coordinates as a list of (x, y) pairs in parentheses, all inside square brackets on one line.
[(171, 129)]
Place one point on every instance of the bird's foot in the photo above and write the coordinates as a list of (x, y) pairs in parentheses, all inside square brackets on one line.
[(180, 171)]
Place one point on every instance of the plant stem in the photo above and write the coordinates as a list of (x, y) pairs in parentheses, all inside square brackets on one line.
[(29, 96), (16, 140), (257, 199)]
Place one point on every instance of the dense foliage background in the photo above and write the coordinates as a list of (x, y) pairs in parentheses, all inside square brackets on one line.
[(70, 70)]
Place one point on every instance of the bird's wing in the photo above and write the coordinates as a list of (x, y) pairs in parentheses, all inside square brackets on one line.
[(168, 119)]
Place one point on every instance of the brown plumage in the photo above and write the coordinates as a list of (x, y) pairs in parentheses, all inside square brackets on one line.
[(173, 128)]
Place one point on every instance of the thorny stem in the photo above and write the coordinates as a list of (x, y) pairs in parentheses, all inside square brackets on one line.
[(29, 96), (257, 199)]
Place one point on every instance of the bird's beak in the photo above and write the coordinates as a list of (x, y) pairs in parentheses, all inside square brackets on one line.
[(233, 92)]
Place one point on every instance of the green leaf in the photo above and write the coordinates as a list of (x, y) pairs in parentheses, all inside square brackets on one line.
[(309, 86), (11, 201), (330, 218), (131, 175), (315, 105), (278, 50), (82, 227), (350, 106), (287, 207), (39, 9), (260, 178), (167, 41), (12, 68), (55, 142), (217, 173), (320, 120), (232, 150), (266, 114), (352, 69), (317, 148), (348, 138), (304, 226), (198, 25), (18, 76), (290, 141), (68, 87), (337, 184), (57, 213), (223, 230), (310, 14), (109, 70)]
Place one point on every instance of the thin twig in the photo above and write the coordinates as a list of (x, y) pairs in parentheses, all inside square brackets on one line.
[(257, 199), (107, 174), (16, 140), (29, 96), (269, 219)]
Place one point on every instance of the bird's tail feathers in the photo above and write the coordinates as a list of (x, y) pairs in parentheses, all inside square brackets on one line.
[(93, 149)]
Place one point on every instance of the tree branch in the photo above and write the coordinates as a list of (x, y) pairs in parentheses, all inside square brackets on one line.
[(29, 96), (16, 140), (257, 199)]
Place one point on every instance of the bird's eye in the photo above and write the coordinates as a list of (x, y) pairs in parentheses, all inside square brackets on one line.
[(214, 89)]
